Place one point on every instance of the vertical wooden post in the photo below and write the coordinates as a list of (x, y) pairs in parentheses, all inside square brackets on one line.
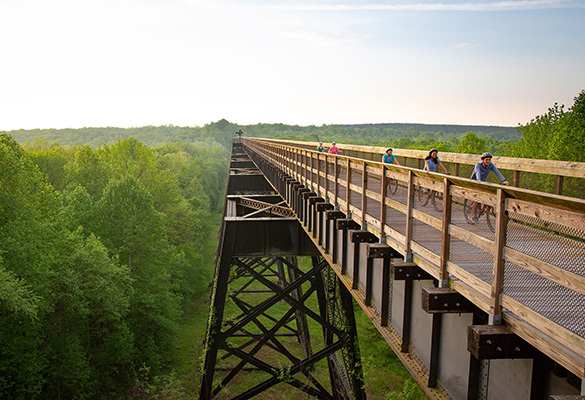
[(495, 316), (517, 178), (383, 187), (456, 169), (445, 238), (304, 166), (326, 196), (559, 189), (293, 159), (318, 174), (409, 224), (347, 189), (297, 163), (364, 198), (335, 187), (311, 170)]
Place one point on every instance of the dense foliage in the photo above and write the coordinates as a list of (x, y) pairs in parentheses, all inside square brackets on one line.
[(99, 255)]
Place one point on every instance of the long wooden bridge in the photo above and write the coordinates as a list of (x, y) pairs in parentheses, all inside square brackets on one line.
[(493, 309)]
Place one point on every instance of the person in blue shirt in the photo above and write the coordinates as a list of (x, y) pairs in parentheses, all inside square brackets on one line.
[(483, 168), (432, 161), (480, 173), (389, 158)]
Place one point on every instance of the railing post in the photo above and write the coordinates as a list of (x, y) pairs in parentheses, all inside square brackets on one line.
[(495, 316), (559, 187), (347, 189), (446, 238), (335, 188), (303, 166), (318, 174), (326, 197), (516, 178), (291, 169), (297, 166), (383, 187), (364, 198), (312, 185), (409, 222)]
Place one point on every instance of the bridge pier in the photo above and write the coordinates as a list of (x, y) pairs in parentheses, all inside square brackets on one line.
[(258, 276)]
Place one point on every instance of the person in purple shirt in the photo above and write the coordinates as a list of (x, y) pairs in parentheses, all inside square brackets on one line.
[(480, 173), (432, 161)]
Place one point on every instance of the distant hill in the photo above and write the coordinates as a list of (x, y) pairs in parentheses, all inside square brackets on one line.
[(493, 131), (222, 132)]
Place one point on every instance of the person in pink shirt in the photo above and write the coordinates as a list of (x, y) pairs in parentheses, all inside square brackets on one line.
[(334, 149)]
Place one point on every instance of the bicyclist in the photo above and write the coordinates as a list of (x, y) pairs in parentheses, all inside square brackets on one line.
[(320, 148), (480, 173), (431, 163), (334, 149), (432, 160), (389, 158)]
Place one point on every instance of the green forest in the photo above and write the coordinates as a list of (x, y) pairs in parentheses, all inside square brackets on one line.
[(101, 255), (107, 238)]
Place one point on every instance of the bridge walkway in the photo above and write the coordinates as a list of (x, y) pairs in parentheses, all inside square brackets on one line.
[(528, 274)]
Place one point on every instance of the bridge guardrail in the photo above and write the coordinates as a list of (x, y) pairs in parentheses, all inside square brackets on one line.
[(557, 169), (529, 272)]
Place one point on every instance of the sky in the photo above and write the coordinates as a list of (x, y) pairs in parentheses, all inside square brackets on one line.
[(128, 63)]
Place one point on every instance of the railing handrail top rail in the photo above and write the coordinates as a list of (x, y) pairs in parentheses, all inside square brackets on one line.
[(552, 167), (560, 201)]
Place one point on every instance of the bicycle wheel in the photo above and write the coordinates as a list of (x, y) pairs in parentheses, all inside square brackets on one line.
[(468, 211), (490, 217), (423, 195), (438, 201), (392, 186)]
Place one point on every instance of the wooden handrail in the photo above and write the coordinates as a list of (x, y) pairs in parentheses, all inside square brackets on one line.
[(549, 167)]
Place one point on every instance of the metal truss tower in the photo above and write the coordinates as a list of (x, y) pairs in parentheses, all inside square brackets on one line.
[(278, 314)]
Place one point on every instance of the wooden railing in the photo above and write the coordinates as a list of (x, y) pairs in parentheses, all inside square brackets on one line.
[(557, 169), (528, 274)]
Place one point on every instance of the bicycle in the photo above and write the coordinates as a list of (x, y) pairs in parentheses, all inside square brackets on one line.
[(490, 214), (424, 195), (392, 185)]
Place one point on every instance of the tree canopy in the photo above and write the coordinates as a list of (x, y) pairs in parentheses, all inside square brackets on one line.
[(99, 256)]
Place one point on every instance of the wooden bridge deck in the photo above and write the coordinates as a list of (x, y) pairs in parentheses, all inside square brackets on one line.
[(530, 272)]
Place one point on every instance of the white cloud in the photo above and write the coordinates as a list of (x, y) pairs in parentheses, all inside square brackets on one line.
[(511, 5)]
